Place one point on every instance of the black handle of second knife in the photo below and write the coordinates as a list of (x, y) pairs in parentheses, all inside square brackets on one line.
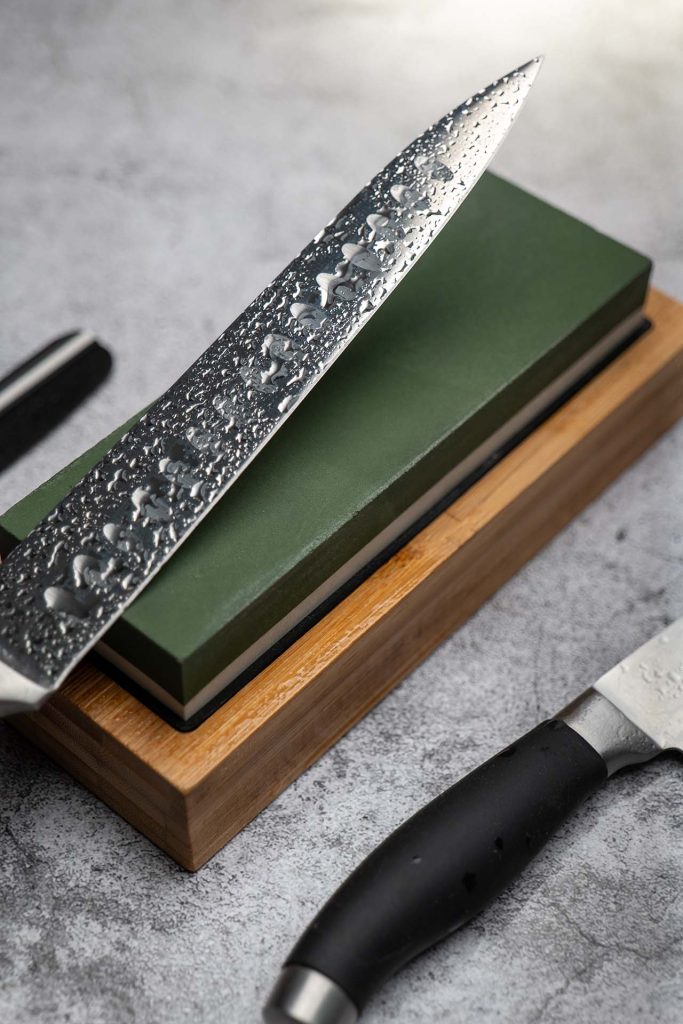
[(444, 865)]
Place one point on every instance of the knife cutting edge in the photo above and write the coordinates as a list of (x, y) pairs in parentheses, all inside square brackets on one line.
[(76, 572), (443, 865)]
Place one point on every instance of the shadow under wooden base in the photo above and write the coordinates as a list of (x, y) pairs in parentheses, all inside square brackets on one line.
[(191, 792)]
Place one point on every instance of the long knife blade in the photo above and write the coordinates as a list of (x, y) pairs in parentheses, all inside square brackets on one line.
[(76, 572)]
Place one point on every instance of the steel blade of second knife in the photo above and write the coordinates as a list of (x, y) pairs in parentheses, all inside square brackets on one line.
[(647, 687), (83, 564)]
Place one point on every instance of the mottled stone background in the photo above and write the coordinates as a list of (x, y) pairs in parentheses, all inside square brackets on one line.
[(160, 162)]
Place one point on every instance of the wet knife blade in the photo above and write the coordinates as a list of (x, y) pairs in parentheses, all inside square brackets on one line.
[(444, 864), (76, 572)]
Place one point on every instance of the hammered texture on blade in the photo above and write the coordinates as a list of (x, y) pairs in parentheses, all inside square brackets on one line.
[(75, 573), (648, 687)]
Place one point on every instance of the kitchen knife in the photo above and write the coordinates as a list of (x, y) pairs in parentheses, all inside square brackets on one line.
[(38, 394), (75, 573), (445, 863)]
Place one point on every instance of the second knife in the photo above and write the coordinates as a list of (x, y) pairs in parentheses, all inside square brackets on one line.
[(450, 859)]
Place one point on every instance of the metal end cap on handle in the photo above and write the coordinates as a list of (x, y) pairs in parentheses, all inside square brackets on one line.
[(304, 996)]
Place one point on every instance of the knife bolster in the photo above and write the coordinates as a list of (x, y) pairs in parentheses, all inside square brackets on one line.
[(609, 732)]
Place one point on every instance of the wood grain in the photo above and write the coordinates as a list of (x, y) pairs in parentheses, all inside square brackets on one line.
[(191, 792)]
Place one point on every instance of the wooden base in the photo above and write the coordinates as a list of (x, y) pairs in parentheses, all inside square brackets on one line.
[(191, 792)]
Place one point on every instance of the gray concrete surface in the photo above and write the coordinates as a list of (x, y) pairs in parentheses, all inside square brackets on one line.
[(160, 162)]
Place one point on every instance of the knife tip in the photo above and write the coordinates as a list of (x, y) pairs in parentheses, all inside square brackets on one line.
[(523, 76), (531, 68)]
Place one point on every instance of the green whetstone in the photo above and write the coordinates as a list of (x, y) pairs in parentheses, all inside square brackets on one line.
[(508, 297)]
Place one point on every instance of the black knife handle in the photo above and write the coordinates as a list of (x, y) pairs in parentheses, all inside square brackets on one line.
[(444, 864)]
